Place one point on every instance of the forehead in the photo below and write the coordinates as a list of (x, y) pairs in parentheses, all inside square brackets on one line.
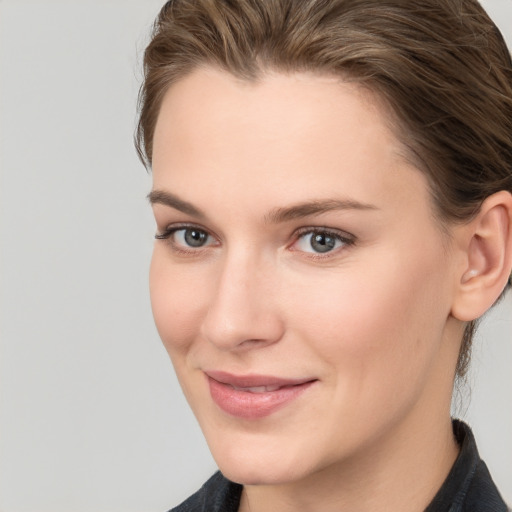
[(273, 104), (301, 132)]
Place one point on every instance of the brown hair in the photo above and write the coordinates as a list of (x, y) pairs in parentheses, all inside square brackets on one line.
[(441, 65)]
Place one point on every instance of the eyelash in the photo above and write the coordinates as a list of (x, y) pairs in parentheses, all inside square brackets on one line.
[(345, 238), (171, 230)]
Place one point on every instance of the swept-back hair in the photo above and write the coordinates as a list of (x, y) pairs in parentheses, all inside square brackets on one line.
[(441, 66)]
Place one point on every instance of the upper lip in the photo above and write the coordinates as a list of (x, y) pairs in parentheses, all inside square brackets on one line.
[(254, 380)]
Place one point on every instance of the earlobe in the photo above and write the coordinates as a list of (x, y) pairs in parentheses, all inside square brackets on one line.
[(488, 258)]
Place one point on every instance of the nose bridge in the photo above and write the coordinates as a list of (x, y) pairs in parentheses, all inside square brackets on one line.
[(242, 305)]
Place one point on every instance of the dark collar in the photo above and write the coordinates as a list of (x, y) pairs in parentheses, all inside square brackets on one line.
[(469, 486)]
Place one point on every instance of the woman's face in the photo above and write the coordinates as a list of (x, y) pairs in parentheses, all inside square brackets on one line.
[(300, 281)]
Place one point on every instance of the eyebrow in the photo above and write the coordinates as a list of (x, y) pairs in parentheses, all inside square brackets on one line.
[(275, 216), (317, 207), (168, 199)]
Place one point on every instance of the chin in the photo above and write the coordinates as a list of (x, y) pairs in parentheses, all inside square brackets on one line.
[(254, 466), (246, 476), (259, 474)]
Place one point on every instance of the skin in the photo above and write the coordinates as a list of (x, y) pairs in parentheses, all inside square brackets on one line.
[(370, 320)]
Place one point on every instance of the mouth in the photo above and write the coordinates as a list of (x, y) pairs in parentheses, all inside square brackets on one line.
[(254, 396)]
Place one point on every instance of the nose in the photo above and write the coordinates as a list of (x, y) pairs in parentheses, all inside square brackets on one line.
[(244, 311)]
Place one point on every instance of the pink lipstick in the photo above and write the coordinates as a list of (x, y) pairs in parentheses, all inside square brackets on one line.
[(254, 396)]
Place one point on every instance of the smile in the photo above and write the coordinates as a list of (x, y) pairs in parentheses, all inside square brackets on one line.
[(257, 389), (254, 396)]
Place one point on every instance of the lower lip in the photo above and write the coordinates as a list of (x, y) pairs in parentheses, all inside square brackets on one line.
[(247, 405)]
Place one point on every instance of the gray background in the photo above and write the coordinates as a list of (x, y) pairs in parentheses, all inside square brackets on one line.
[(91, 416)]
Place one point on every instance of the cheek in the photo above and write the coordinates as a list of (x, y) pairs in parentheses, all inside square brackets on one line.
[(378, 335), (381, 319), (177, 301)]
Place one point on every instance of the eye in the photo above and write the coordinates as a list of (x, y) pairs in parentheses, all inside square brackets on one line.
[(321, 241), (187, 237), (191, 237)]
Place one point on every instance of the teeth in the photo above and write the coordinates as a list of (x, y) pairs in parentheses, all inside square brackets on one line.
[(257, 389)]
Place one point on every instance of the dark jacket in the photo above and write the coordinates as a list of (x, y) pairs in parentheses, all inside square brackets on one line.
[(468, 487)]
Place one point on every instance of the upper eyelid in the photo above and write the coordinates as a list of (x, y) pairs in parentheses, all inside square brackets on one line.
[(322, 229), (173, 227)]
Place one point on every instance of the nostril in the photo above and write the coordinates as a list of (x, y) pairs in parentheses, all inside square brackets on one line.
[(243, 332)]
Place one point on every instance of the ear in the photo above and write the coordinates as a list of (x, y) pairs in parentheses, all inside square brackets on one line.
[(487, 258)]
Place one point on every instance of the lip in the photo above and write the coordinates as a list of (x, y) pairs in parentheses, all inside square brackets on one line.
[(254, 396)]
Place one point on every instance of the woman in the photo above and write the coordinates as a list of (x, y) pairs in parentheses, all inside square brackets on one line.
[(332, 191)]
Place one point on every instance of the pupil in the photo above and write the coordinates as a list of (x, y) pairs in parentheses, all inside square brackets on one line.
[(322, 242), (195, 238)]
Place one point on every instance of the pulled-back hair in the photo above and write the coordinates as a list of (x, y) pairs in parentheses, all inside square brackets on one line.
[(441, 66)]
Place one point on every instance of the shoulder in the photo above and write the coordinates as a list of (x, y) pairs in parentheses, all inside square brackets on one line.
[(218, 494), (482, 494)]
